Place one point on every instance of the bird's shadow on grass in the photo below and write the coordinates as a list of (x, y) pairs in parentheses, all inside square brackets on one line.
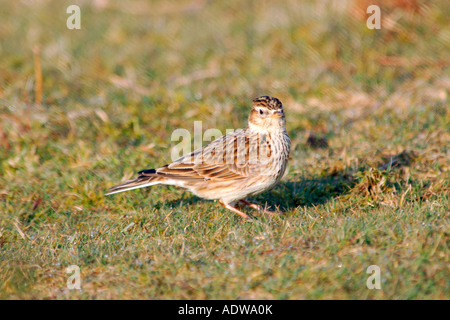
[(290, 194), (306, 191)]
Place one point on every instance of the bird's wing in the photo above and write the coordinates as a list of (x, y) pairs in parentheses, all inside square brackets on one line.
[(234, 156)]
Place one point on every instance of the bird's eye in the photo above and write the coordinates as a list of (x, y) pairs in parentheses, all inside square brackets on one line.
[(260, 111)]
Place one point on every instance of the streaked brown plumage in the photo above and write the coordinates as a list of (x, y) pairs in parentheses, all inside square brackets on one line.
[(238, 165)]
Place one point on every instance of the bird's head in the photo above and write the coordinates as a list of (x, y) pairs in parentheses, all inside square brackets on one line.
[(267, 114)]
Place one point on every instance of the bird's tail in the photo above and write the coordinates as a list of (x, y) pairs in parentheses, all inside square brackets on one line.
[(140, 182)]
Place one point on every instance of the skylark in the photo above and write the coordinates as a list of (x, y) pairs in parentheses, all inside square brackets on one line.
[(238, 165)]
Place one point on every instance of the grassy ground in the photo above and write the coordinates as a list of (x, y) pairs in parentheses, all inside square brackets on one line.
[(368, 177)]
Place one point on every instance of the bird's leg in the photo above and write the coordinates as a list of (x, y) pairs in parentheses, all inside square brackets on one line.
[(258, 207), (229, 207), (251, 205)]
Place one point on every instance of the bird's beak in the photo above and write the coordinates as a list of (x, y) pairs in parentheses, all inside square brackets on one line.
[(277, 114)]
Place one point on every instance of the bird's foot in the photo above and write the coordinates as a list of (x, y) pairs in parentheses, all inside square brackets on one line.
[(260, 209), (239, 212)]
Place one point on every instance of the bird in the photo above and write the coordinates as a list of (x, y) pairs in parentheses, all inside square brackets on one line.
[(240, 164)]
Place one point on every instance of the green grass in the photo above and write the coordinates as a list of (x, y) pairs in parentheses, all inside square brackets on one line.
[(373, 191)]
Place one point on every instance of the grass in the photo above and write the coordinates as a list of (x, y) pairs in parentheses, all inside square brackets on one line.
[(368, 177)]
